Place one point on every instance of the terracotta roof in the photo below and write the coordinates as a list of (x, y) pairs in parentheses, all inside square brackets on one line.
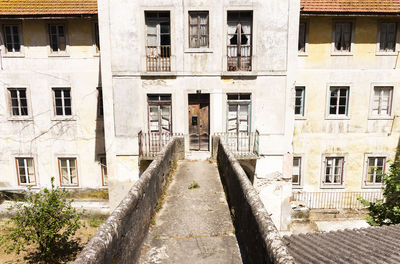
[(365, 245), (47, 7), (350, 6)]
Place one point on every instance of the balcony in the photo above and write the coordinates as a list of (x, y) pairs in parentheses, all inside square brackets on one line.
[(151, 144), (239, 57), (244, 145), (158, 58)]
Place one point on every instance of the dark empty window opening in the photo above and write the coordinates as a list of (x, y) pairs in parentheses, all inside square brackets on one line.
[(58, 40), (12, 41), (343, 36)]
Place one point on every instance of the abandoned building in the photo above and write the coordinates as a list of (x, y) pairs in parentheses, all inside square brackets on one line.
[(303, 92)]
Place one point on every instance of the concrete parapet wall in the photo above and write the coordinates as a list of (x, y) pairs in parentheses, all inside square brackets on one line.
[(258, 236), (120, 237)]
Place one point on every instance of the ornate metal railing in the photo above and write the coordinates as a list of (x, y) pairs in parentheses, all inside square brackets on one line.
[(336, 200), (242, 144), (151, 144), (158, 58), (239, 58)]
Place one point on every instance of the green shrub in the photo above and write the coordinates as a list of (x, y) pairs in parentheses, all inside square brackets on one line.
[(46, 220), (387, 211)]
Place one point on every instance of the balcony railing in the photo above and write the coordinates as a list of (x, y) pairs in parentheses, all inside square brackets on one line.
[(242, 144), (158, 58), (239, 58), (336, 200), (151, 144)]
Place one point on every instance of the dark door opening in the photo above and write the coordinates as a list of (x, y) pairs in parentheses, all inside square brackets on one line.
[(199, 121)]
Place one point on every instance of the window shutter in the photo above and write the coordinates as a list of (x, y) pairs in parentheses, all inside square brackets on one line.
[(391, 37), (338, 34), (383, 37), (347, 36)]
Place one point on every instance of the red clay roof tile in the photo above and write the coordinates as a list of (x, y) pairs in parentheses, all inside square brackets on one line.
[(350, 6), (48, 7)]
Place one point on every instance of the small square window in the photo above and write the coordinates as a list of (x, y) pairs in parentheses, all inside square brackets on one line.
[(299, 101), (68, 171), (382, 101), (62, 101), (25, 171), (375, 170), (343, 36), (12, 38), (333, 171), (387, 37), (198, 29), (296, 173), (339, 100), (18, 101), (57, 38)]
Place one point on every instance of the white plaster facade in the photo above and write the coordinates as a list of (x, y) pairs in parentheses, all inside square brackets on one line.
[(126, 83), (41, 134)]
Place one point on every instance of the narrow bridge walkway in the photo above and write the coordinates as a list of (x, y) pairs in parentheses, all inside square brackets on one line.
[(194, 225)]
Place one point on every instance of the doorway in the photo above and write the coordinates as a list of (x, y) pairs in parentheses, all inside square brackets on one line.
[(199, 121)]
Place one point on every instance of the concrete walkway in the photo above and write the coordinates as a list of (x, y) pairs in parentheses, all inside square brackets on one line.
[(194, 225)]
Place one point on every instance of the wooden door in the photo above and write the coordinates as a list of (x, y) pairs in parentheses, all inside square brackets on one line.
[(199, 132)]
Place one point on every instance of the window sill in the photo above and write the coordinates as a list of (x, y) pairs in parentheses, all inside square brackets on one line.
[(14, 118), (299, 117), (342, 53), (239, 73), (374, 187), (297, 187), (55, 55), (331, 117), (16, 55), (96, 55), (63, 118), (70, 186), (302, 54), (198, 50), (380, 118), (155, 74), (389, 53), (332, 187)]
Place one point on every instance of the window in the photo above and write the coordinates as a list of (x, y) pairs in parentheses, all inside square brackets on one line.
[(238, 119), (57, 37), (299, 101), (25, 171), (302, 37), (198, 29), (62, 101), (103, 164), (387, 37), (160, 114), (375, 170), (333, 171), (68, 171), (382, 101), (339, 100), (100, 112), (12, 40), (18, 102), (158, 41), (296, 174), (239, 40), (343, 36), (96, 36)]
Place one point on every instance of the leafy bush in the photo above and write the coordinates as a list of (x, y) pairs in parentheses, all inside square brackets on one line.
[(387, 211), (47, 221)]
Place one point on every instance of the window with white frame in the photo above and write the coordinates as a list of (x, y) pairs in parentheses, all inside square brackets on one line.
[(334, 167), (25, 171), (57, 38), (387, 37), (159, 113), (103, 164), (12, 38), (342, 36), (198, 29), (299, 100), (68, 171), (62, 101), (339, 100), (296, 173), (302, 37), (375, 170), (238, 119), (18, 101), (382, 101)]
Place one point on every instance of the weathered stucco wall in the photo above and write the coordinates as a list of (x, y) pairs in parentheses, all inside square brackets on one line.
[(120, 237), (359, 134), (42, 135), (258, 236)]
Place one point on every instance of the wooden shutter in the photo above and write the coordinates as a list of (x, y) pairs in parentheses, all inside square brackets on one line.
[(391, 36)]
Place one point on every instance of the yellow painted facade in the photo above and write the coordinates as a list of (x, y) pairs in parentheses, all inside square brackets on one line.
[(359, 134)]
